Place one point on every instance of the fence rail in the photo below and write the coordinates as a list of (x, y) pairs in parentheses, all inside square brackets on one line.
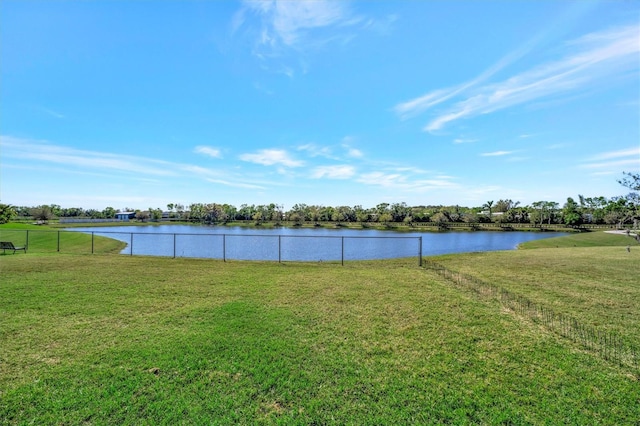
[(269, 247), (607, 345)]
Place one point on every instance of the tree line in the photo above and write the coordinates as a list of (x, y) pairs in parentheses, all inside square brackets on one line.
[(618, 210)]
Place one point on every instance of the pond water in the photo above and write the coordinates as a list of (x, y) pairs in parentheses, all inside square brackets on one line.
[(307, 244)]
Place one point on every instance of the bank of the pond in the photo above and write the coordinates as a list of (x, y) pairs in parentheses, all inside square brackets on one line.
[(392, 227)]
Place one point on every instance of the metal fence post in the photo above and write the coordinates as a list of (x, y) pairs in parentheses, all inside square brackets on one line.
[(420, 251), (279, 248), (92, 245), (224, 247), (174, 246), (58, 241), (342, 254), (131, 245), (27, 242)]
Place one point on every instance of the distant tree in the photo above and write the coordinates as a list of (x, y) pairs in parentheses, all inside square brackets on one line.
[(142, 216), (42, 213), (337, 216), (314, 214), (196, 212), (543, 210), (298, 213), (385, 218), (381, 209), (631, 181), (471, 218), (179, 210), (488, 205), (361, 215), (258, 217), (399, 211), (23, 211), (7, 212), (505, 205), (72, 212), (570, 213), (94, 214), (56, 210), (326, 213), (296, 217), (109, 213), (155, 214), (440, 217), (246, 212)]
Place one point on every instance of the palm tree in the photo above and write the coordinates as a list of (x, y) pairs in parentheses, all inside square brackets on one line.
[(488, 206)]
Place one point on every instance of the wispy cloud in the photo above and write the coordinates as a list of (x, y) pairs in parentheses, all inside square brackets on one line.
[(458, 141), (93, 160), (52, 113), (207, 150), (333, 172), (353, 152), (335, 152), (630, 152), (236, 184), (589, 59), (314, 150), (271, 157), (496, 153), (615, 160), (44, 156), (281, 27), (405, 182)]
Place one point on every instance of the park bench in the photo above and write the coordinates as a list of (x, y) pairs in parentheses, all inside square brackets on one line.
[(8, 245)]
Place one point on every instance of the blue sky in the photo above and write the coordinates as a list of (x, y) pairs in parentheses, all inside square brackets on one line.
[(144, 103)]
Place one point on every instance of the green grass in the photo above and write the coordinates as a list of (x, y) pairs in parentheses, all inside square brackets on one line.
[(585, 239), (143, 340), (43, 239), (590, 277)]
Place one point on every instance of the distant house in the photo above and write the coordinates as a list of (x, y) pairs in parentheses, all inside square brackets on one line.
[(125, 216)]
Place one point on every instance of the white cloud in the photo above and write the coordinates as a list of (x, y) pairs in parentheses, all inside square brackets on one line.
[(619, 159), (52, 113), (93, 160), (270, 157), (458, 141), (314, 150), (353, 152), (199, 171), (44, 156), (285, 32), (633, 162), (286, 22), (496, 153), (333, 172), (236, 184), (405, 182), (207, 150), (630, 152), (593, 58)]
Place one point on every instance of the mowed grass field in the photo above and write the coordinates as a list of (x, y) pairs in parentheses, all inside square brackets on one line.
[(112, 339)]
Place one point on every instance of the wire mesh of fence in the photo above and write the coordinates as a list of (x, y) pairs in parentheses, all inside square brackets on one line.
[(604, 344)]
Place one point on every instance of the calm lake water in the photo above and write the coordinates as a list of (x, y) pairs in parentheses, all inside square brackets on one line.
[(292, 244)]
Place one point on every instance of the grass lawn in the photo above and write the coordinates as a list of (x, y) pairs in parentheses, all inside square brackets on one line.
[(110, 339)]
